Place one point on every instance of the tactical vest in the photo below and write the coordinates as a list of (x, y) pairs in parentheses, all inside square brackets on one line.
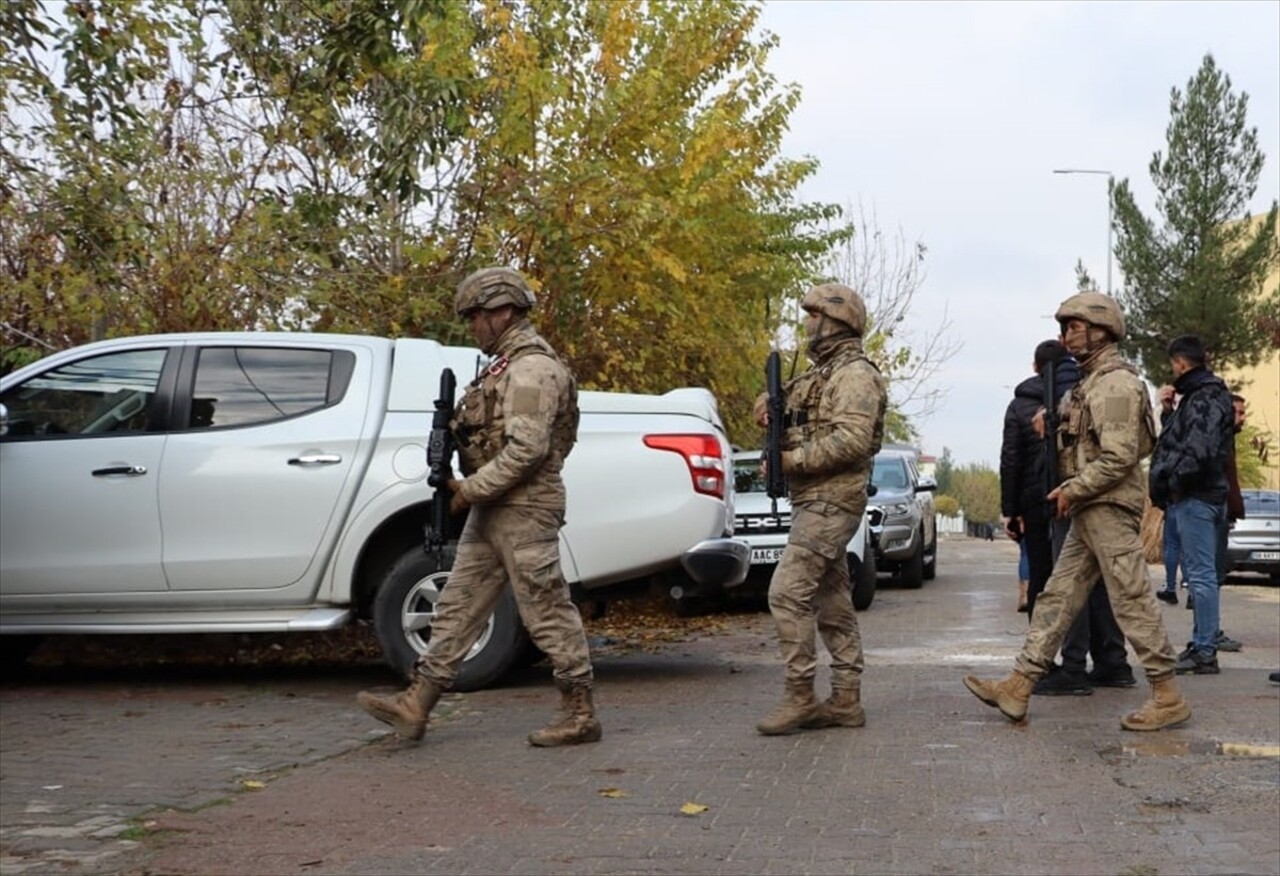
[(1078, 441), (477, 423), (803, 418)]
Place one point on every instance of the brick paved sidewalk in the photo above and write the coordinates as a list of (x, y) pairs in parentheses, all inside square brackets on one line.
[(935, 783)]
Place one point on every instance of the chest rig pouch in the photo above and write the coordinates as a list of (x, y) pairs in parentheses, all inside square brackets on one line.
[(478, 423), (805, 418), (1077, 438)]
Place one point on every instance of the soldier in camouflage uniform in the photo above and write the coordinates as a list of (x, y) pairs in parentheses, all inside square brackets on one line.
[(514, 427), (834, 425), (1105, 432)]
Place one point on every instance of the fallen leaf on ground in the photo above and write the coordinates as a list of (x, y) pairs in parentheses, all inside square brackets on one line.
[(694, 808), (252, 785), (613, 792)]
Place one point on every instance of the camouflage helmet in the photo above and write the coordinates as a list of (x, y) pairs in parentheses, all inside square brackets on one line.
[(1095, 309), (838, 302), (490, 288)]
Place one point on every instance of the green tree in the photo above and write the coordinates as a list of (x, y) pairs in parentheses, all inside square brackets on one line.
[(943, 471), (1084, 282), (947, 506), (1202, 268), (977, 488), (341, 164)]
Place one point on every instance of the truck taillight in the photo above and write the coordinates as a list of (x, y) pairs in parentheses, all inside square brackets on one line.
[(702, 453)]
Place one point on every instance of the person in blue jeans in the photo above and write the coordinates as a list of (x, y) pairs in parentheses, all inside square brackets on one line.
[(1188, 479)]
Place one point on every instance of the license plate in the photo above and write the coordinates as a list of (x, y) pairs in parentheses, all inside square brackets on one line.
[(1256, 555), (761, 556)]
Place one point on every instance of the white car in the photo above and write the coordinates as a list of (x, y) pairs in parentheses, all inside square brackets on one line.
[(757, 523)]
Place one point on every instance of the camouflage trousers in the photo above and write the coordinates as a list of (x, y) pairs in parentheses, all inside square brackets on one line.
[(519, 544), (1103, 540), (810, 595)]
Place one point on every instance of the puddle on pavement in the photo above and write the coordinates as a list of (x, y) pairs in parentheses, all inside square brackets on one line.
[(1173, 748)]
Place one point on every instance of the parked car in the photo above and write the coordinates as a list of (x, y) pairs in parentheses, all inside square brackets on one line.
[(766, 532), (1253, 545), (256, 481), (903, 523)]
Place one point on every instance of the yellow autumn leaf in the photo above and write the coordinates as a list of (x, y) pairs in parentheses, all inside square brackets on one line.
[(613, 792), (693, 808), (252, 785)]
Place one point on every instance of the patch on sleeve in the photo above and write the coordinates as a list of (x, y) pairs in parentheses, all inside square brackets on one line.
[(1116, 409), (526, 400)]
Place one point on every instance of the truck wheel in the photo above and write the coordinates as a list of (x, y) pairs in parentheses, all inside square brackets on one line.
[(864, 580), (913, 570), (405, 607), (931, 566)]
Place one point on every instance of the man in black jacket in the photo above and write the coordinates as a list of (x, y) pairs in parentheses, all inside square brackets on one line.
[(1024, 484), (1188, 479)]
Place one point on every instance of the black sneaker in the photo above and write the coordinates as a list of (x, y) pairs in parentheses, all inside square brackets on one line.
[(1063, 683), (1275, 677), (1186, 652), (1167, 596), (1121, 676), (1197, 663), (1191, 603), (1223, 642)]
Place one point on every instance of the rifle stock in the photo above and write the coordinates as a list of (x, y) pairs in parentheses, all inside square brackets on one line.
[(775, 481), (439, 455)]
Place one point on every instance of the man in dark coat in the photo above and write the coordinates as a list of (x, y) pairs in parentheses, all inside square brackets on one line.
[(1024, 484), (1188, 479)]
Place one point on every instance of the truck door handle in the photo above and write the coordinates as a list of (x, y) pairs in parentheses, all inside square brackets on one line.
[(132, 471), (316, 459)]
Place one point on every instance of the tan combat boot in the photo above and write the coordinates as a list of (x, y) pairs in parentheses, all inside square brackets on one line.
[(1165, 708), (406, 711), (798, 706), (1009, 695), (842, 709), (577, 723)]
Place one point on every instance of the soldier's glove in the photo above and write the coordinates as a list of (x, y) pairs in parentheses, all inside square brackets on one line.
[(457, 502)]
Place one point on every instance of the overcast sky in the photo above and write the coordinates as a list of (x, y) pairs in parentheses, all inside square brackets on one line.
[(948, 119)]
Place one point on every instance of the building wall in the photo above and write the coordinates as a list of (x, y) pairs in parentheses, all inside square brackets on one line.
[(1261, 388)]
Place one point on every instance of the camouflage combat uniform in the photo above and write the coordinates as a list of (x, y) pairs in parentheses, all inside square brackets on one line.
[(1105, 433), (833, 424), (514, 426)]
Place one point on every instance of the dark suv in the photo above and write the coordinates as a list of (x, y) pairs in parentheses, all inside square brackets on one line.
[(903, 524)]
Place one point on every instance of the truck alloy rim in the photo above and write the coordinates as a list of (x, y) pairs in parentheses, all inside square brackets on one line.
[(418, 613)]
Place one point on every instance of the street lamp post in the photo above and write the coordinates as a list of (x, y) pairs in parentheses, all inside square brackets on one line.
[(1110, 182)]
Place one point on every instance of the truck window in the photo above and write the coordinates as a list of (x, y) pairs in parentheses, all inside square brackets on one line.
[(241, 386), (108, 394)]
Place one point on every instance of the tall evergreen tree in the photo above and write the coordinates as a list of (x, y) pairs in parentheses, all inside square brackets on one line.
[(1203, 267)]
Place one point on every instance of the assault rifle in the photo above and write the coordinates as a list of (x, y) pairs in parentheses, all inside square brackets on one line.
[(1048, 372), (775, 481), (439, 454)]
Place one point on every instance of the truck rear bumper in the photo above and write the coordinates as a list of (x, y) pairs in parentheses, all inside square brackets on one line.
[(717, 562)]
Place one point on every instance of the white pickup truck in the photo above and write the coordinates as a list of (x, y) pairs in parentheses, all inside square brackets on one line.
[(231, 482)]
